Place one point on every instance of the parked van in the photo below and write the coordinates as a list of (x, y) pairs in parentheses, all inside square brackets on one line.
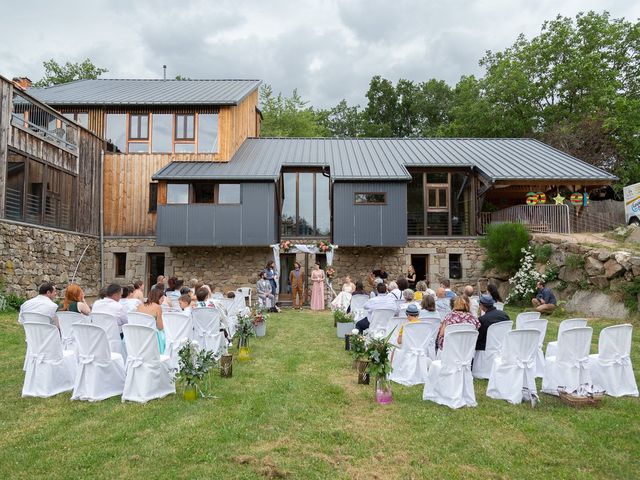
[(632, 203)]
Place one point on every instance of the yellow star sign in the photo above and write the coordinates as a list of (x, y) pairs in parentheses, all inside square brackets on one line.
[(559, 199)]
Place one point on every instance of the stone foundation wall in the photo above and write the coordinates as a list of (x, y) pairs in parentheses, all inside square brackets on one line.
[(31, 255)]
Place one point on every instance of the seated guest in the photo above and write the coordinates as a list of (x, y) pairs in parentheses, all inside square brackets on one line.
[(421, 287), (185, 303), (202, 294), (428, 306), (490, 315), (42, 303), (429, 291), (130, 304), (110, 304), (544, 301), (394, 291), (152, 307), (374, 292), (495, 294), (173, 289), (443, 304), (403, 283), (446, 284), (74, 300), (467, 293), (383, 301), (460, 314), (138, 291), (412, 317), (265, 293), (359, 290), (185, 291), (407, 296), (159, 283), (194, 284), (382, 274), (231, 294)]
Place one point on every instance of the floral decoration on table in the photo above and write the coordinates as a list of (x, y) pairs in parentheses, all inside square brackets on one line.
[(357, 345), (330, 272), (259, 316), (324, 246), (285, 245), (193, 365)]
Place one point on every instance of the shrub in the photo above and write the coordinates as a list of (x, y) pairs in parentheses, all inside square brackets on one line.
[(504, 244), (10, 302), (630, 292), (342, 317), (523, 283), (542, 253), (551, 272), (574, 261)]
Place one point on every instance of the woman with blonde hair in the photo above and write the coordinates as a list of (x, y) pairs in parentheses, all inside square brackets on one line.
[(74, 300), (459, 314)]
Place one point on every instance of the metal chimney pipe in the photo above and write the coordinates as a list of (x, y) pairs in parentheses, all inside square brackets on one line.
[(164, 70)]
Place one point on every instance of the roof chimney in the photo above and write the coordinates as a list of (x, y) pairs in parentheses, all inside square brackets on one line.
[(164, 72), (22, 83)]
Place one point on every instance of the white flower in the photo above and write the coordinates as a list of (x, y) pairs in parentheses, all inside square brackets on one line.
[(378, 335), (195, 343), (355, 331)]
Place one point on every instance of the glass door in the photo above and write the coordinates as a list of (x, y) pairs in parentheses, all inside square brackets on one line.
[(286, 266)]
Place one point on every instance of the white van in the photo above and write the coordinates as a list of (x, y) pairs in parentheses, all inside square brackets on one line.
[(632, 203)]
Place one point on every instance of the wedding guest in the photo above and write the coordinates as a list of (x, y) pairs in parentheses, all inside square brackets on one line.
[(159, 283), (446, 284), (193, 284), (443, 304), (296, 281), (272, 276), (495, 294), (459, 314), (130, 304), (544, 301), (173, 289), (411, 277), (402, 283), (412, 317), (421, 287), (138, 291), (428, 305), (185, 303), (42, 303), (74, 300), (265, 292), (185, 291), (202, 294), (359, 290), (490, 315), (394, 291), (407, 296), (152, 307), (383, 301), (467, 294), (381, 273), (317, 292), (110, 304)]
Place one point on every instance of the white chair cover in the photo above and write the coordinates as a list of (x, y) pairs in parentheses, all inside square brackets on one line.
[(425, 315), (137, 318), (541, 326), (611, 367), (100, 372), (570, 368), (514, 369), (49, 369), (552, 347), (411, 361), (499, 305), (148, 374), (380, 321), (246, 294), (33, 317), (217, 296), (483, 359), (66, 321), (357, 306), (458, 327), (206, 328), (525, 316), (449, 381), (110, 325), (176, 327)]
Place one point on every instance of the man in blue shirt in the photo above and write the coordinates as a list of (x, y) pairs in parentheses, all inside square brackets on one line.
[(544, 301)]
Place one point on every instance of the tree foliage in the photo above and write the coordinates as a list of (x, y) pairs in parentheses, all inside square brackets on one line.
[(288, 116), (504, 244), (56, 73)]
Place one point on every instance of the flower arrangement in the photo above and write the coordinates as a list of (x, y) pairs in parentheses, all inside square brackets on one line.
[(378, 350), (193, 364), (330, 272), (357, 344), (285, 245), (324, 246), (245, 328), (340, 316), (523, 283), (259, 316)]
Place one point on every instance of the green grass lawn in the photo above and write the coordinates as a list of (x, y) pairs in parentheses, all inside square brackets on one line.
[(295, 411)]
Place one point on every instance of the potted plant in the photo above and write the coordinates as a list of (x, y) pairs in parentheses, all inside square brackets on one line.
[(358, 348), (244, 331), (193, 365), (378, 351), (344, 322), (260, 322)]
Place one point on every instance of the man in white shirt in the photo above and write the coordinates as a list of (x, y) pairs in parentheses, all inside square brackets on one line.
[(43, 303), (443, 304), (111, 305), (383, 301), (473, 302)]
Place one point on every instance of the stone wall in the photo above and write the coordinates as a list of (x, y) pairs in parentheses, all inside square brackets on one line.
[(31, 255)]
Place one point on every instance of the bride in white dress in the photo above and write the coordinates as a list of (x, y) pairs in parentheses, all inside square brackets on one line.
[(343, 299)]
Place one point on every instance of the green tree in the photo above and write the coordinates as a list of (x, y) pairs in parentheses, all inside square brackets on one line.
[(288, 116), (342, 120), (56, 74)]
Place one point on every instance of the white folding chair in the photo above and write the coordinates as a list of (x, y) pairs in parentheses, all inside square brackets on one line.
[(458, 327), (137, 318), (217, 296), (206, 328), (33, 317), (357, 306), (246, 294), (526, 316), (110, 325), (379, 321), (513, 375), (177, 326), (483, 359), (49, 370), (570, 368), (449, 381), (66, 321), (411, 360), (552, 347), (148, 374), (499, 305), (541, 326), (426, 314), (611, 367), (100, 371)]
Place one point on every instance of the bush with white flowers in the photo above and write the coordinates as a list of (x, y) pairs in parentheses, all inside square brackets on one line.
[(523, 283)]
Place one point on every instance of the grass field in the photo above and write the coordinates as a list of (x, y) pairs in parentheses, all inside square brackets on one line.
[(295, 411)]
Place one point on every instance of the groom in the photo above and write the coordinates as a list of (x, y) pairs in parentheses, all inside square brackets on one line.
[(296, 280)]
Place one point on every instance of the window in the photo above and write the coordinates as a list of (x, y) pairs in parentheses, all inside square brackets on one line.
[(305, 204), (207, 132), (185, 126), (138, 126), (81, 118), (223, 193), (58, 197), (178, 193), (161, 136), (35, 183), (229, 193), (370, 198), (117, 130), (120, 263), (14, 191), (153, 197), (204, 193), (455, 266)]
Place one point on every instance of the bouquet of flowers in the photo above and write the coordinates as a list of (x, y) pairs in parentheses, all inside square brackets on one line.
[(259, 316), (378, 350), (357, 344), (330, 272), (324, 246), (193, 363), (285, 245), (245, 328)]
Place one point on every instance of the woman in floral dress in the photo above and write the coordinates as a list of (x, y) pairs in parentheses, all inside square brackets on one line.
[(317, 292), (460, 314)]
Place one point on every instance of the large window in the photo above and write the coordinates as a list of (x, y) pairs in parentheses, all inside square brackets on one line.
[(305, 204), (161, 135), (38, 193), (439, 204), (81, 118), (207, 133), (204, 192), (117, 130), (177, 193)]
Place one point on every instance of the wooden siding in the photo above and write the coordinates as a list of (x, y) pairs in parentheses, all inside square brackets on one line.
[(6, 93), (87, 217), (235, 124), (23, 140)]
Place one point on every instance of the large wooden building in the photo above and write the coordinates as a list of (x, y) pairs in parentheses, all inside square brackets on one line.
[(190, 189)]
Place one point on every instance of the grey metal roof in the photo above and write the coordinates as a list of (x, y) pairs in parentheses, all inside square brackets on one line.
[(387, 159), (146, 92)]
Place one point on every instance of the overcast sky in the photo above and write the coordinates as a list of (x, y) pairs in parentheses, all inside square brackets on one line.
[(329, 50)]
